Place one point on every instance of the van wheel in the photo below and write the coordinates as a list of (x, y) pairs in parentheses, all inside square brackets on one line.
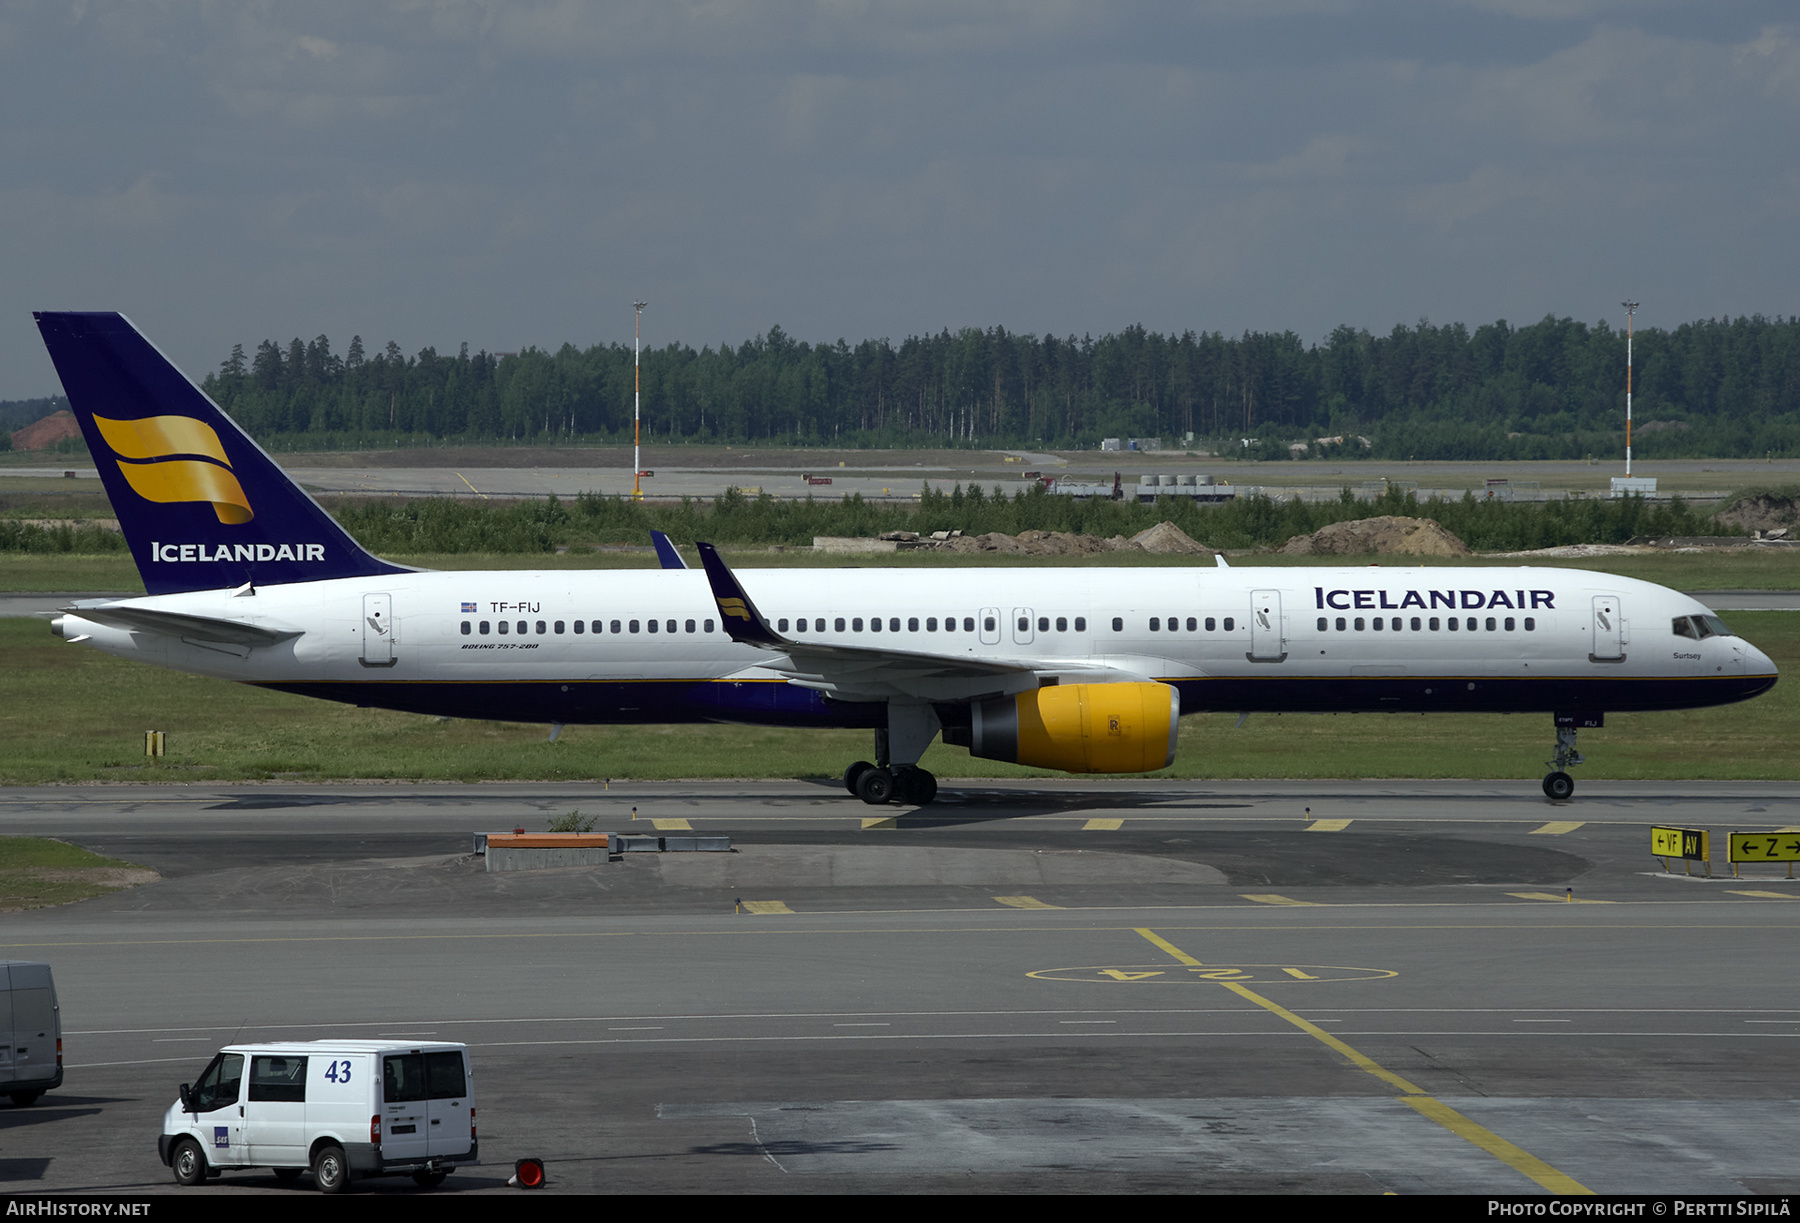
[(330, 1171), (429, 1180), (189, 1164), (25, 1099)]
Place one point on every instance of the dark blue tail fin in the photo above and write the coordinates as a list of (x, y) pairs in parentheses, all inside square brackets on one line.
[(201, 505)]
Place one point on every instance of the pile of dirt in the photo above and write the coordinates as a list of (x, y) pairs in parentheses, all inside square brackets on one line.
[(1165, 538), (45, 433), (1387, 534), (1761, 512)]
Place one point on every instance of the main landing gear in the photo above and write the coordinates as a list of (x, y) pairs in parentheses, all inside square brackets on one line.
[(896, 776), (878, 786), (1558, 785)]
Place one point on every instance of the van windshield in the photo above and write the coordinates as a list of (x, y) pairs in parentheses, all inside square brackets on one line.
[(218, 1085)]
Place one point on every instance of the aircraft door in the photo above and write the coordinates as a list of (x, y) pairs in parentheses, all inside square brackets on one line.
[(1265, 627), (990, 626), (378, 631), (1022, 633), (1609, 630)]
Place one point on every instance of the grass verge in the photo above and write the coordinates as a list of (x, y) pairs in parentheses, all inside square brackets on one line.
[(36, 872)]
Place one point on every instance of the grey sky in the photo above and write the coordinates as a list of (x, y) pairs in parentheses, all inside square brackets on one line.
[(515, 173)]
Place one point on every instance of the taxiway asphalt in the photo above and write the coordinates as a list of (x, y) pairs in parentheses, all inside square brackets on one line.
[(1069, 986)]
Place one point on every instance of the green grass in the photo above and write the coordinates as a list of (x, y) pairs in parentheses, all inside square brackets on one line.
[(37, 871), (75, 714)]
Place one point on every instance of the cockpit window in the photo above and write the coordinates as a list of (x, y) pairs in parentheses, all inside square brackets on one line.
[(1717, 627), (1699, 628), (1685, 628)]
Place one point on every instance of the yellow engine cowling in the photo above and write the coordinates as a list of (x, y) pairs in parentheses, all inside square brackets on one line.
[(1080, 728)]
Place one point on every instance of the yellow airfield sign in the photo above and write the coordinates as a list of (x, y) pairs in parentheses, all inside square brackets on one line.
[(1765, 847), (1690, 843)]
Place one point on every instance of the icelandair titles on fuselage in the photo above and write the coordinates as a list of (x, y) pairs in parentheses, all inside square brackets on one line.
[(1470, 600), (237, 552)]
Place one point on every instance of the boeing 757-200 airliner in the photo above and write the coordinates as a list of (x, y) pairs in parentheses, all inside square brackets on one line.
[(1082, 670)]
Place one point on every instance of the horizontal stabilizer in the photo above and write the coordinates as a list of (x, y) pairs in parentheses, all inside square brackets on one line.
[(183, 624)]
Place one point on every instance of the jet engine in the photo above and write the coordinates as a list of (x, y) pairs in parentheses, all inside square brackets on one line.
[(1080, 728)]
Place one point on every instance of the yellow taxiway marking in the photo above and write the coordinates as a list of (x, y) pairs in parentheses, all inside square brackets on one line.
[(1170, 948), (1025, 902), (1766, 895), (766, 906), (472, 488), (1559, 898), (1328, 825), (671, 825), (1414, 1096), (1555, 828), (879, 823), (1103, 825), (1269, 898)]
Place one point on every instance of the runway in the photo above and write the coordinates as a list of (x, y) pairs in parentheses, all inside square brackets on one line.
[(1118, 986)]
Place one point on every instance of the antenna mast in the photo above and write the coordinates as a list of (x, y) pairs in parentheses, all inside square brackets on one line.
[(1630, 311), (637, 395)]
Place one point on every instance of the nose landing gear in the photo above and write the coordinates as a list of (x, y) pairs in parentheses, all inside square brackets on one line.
[(1558, 785)]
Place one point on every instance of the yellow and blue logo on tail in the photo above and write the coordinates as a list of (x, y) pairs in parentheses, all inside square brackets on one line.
[(176, 458)]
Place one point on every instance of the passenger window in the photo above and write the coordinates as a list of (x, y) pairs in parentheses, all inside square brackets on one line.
[(856, 624), (707, 626), (1081, 624), (1212, 624), (522, 627), (1434, 624), (1490, 624), (1323, 624), (1376, 624), (1155, 624), (1043, 624), (1118, 624), (839, 624), (670, 626), (1359, 624), (912, 624), (557, 627), (1530, 624), (580, 626), (278, 1077), (465, 628), (969, 623), (484, 628), (1509, 624), (1229, 622), (931, 624), (650, 625), (1342, 624), (893, 624), (781, 626), (615, 626), (989, 624), (690, 626), (1452, 624), (874, 624), (634, 626), (1192, 624), (503, 628), (219, 1083), (1062, 624), (1415, 624)]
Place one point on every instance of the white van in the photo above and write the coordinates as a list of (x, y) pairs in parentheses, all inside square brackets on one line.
[(31, 1025), (343, 1108)]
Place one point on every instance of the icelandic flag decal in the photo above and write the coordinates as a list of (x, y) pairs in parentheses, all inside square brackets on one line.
[(468, 607)]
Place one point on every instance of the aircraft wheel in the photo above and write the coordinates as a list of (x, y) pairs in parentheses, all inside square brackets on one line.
[(853, 775), (916, 786), (876, 787), (1559, 786)]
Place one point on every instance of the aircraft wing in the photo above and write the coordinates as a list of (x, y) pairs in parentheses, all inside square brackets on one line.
[(855, 672), (182, 624)]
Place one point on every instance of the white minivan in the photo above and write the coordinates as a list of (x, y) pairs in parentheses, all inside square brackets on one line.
[(31, 1026), (343, 1108)]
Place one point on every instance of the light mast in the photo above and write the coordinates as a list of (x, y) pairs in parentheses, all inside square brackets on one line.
[(637, 395)]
